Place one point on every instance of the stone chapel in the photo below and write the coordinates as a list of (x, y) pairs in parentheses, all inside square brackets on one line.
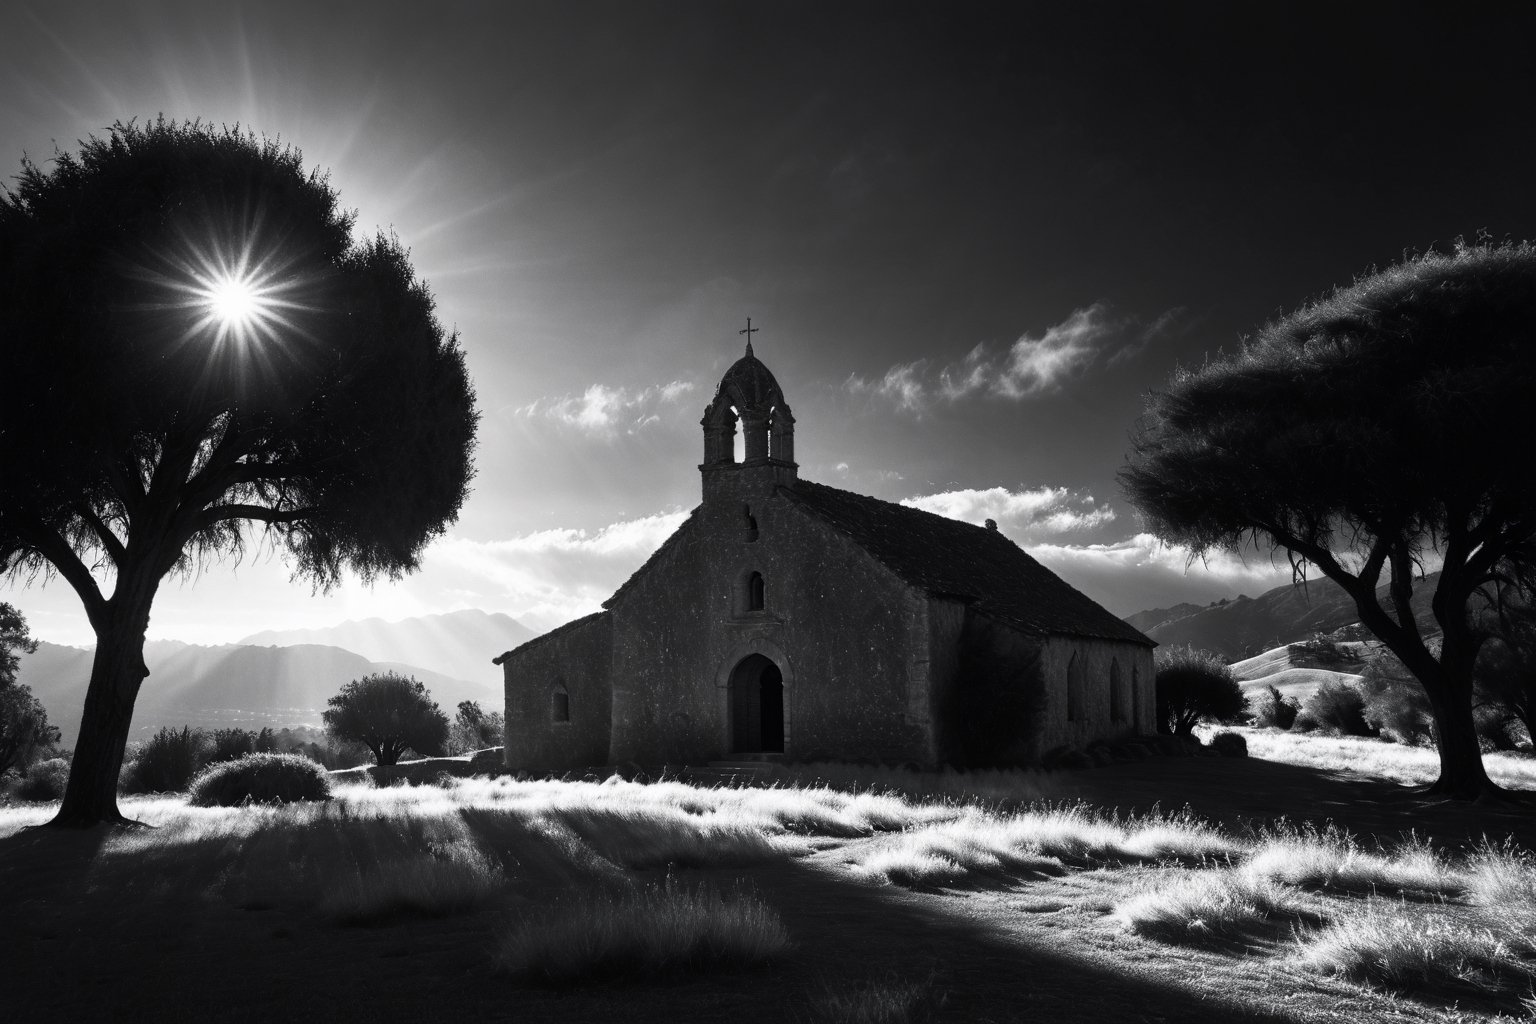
[(789, 620)]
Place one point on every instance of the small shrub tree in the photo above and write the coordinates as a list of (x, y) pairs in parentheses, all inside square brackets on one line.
[(475, 729), (167, 761), (25, 733), (229, 744), (1192, 686), (389, 714), (24, 730), (1394, 704), (45, 780), (262, 778), (1275, 710), (1335, 706)]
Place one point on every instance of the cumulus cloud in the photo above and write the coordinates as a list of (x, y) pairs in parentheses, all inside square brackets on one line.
[(552, 576), (607, 411), (1022, 515), (1032, 365)]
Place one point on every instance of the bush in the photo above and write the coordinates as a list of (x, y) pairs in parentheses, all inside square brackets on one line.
[(45, 780), (262, 778), (1276, 711), (1193, 685), (473, 729), (1229, 744), (167, 762), (1335, 707), (1395, 704), (229, 744)]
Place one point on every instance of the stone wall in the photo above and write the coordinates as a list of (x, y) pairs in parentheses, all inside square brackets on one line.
[(573, 660), (836, 622), (1094, 720)]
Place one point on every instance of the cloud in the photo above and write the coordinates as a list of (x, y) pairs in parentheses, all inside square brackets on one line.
[(1022, 515), (607, 411), (1142, 572), (552, 576), (1033, 365), (902, 385)]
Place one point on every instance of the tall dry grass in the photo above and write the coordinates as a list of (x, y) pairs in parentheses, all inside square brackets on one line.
[(654, 929)]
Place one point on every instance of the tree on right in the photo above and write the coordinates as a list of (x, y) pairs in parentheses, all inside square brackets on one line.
[(1373, 435)]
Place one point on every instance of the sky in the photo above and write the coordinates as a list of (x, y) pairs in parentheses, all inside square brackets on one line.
[(973, 236)]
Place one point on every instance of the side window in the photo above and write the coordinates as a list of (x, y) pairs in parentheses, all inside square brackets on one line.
[(756, 593), (560, 704)]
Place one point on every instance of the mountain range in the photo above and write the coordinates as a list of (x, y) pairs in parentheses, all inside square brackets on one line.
[(1246, 626), (284, 679)]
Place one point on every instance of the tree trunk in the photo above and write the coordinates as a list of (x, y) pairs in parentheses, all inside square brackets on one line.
[(116, 674), (1461, 760)]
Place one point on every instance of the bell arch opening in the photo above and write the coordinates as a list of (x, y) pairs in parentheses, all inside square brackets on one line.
[(757, 706)]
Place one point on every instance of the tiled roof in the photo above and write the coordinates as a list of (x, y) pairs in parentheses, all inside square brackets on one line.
[(948, 557)]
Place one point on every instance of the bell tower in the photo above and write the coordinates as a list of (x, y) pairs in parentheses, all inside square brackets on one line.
[(747, 395)]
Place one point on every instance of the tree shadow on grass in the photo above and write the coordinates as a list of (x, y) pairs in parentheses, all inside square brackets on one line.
[(1240, 793)]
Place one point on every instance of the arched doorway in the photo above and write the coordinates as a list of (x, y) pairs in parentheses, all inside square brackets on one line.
[(757, 706)]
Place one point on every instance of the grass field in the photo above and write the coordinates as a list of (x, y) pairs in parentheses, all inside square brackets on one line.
[(1065, 896)]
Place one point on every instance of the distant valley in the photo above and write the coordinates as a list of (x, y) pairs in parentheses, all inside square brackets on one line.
[(283, 679)]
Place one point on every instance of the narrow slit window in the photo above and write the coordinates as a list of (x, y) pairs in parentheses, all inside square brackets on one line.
[(756, 592), (1074, 689), (560, 705)]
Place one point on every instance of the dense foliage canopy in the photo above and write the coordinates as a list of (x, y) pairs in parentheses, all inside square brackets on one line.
[(389, 714), (195, 342), (1372, 435), (1194, 686)]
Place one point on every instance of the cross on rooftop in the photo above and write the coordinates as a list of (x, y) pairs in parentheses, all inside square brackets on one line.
[(749, 330)]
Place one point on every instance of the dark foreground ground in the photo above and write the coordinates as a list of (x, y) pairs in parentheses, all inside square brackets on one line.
[(79, 943)]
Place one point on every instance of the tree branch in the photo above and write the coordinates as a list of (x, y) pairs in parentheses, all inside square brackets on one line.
[(52, 546), (259, 513), (109, 540)]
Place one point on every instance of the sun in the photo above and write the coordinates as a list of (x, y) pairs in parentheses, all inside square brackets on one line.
[(235, 302)]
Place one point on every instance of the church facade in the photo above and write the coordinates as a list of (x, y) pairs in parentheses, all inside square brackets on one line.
[(785, 619)]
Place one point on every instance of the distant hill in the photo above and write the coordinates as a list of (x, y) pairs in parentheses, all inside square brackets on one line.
[(230, 685), (459, 644), (1297, 673), (1287, 614), (1157, 616)]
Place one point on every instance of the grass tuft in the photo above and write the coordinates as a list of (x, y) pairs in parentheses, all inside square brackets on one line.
[(1333, 860), (890, 1000), (1206, 905), (446, 881), (659, 928), (1425, 954)]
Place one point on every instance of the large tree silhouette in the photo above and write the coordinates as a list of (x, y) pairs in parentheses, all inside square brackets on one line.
[(199, 356), (1370, 433)]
